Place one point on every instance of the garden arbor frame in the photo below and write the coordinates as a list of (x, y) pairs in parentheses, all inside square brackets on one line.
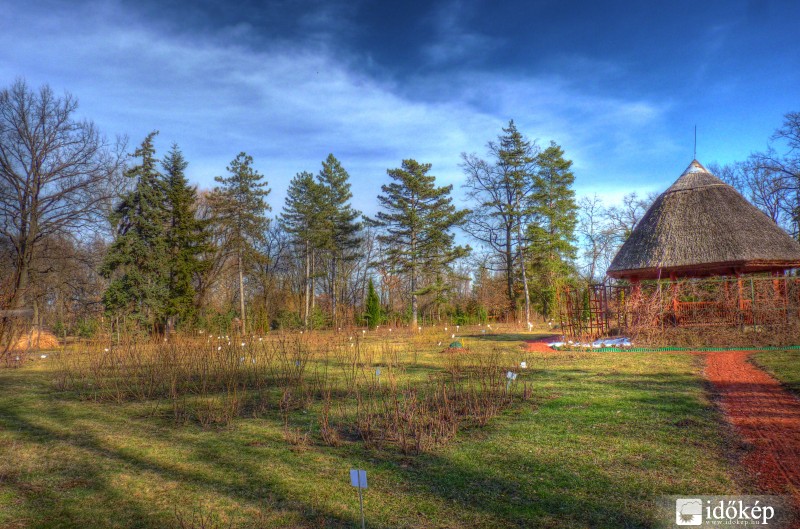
[(702, 255)]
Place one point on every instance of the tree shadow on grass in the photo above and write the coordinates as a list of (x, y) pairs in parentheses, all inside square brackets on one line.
[(51, 509), (521, 490), (502, 490)]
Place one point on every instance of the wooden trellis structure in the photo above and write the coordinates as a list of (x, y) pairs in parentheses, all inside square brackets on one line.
[(742, 302), (584, 311)]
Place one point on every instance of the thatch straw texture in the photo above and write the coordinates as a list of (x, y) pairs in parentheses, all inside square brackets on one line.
[(702, 226)]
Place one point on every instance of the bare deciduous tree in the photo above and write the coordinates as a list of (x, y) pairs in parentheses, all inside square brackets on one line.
[(595, 236), (55, 173), (760, 183), (785, 168)]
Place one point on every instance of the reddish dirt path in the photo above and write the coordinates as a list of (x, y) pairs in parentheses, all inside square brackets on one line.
[(539, 345), (765, 414)]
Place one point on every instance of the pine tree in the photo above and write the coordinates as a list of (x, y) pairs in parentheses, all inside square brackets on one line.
[(500, 188), (240, 207), (552, 231), (308, 222), (343, 235), (417, 218), (187, 238), (372, 309), (515, 161), (136, 260)]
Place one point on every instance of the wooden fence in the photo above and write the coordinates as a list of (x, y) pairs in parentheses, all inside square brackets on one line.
[(592, 311)]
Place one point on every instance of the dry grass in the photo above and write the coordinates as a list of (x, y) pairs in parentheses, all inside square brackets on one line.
[(581, 440), (216, 379)]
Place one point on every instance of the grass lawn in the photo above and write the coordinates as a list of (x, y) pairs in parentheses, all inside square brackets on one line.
[(603, 436), (783, 365)]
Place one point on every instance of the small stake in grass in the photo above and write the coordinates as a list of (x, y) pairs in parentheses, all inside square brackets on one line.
[(511, 376), (378, 375), (358, 479)]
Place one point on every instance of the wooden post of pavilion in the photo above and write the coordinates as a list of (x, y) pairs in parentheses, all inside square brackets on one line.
[(740, 301), (673, 291)]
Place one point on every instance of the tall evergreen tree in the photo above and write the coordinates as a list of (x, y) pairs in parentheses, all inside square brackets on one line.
[(372, 308), (516, 160), (308, 222), (417, 218), (136, 260), (343, 235), (187, 238), (239, 205), (555, 216)]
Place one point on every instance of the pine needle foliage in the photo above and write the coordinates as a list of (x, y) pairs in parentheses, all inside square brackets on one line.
[(417, 217), (136, 260)]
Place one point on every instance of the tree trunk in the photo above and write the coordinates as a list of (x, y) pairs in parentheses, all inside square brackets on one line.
[(414, 323), (524, 274), (21, 277), (313, 288), (333, 292), (307, 286), (510, 268), (241, 294)]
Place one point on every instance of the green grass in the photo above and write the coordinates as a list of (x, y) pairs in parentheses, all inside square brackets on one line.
[(603, 437), (783, 365)]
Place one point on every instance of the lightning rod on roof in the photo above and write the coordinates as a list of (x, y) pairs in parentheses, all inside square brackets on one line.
[(695, 143)]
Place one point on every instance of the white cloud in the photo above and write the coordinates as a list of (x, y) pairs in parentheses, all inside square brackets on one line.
[(288, 106)]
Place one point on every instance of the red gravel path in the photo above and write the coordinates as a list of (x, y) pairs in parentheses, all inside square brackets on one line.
[(765, 414), (539, 345)]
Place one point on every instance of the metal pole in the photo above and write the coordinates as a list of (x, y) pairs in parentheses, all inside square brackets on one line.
[(360, 500)]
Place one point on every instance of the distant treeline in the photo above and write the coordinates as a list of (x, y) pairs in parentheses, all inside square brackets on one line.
[(94, 236)]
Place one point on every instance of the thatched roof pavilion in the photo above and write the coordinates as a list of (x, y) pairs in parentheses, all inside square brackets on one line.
[(702, 226)]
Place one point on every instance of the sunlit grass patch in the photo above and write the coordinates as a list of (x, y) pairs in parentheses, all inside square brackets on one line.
[(598, 439), (783, 365)]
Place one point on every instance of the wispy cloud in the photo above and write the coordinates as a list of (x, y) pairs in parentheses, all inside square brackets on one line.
[(290, 104), (452, 40)]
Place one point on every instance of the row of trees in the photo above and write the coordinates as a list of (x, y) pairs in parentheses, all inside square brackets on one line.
[(89, 233), (135, 242), (168, 240)]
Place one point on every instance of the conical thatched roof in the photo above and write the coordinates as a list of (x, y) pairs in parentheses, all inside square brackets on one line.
[(702, 226)]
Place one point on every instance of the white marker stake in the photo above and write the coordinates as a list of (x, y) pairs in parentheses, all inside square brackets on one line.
[(358, 479), (511, 376)]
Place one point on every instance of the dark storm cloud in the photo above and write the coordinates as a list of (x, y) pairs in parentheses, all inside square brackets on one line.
[(619, 84)]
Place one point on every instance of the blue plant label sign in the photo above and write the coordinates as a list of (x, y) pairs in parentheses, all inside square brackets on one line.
[(358, 478)]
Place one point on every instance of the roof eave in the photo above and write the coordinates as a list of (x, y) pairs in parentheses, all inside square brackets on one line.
[(707, 269)]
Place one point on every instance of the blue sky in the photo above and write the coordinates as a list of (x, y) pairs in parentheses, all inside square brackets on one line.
[(620, 85)]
